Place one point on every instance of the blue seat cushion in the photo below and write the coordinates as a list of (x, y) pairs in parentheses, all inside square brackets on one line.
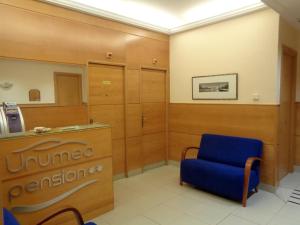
[(224, 180), (90, 223), (229, 150), (9, 218)]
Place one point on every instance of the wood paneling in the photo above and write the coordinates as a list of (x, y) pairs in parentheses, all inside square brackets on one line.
[(154, 148), (133, 86), (106, 84), (157, 53), (110, 114), (154, 118), (297, 134), (134, 153), (179, 141), (56, 39), (256, 121), (286, 113), (56, 11), (118, 156), (134, 120), (68, 89), (154, 86), (187, 122), (54, 116)]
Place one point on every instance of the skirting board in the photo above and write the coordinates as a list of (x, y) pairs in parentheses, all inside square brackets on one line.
[(297, 169), (139, 171), (262, 186)]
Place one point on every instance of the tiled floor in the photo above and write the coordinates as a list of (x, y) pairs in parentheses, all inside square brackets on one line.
[(288, 186), (156, 198)]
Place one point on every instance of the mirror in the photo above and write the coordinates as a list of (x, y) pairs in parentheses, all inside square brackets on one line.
[(53, 83)]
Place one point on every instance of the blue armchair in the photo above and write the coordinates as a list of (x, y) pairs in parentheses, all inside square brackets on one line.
[(9, 218), (226, 166)]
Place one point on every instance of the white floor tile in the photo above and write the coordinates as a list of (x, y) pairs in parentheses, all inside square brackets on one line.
[(156, 198), (186, 220), (291, 181), (163, 214), (140, 220), (288, 215), (261, 207), (233, 220)]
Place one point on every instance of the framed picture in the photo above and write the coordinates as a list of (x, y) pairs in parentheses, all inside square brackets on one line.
[(215, 87)]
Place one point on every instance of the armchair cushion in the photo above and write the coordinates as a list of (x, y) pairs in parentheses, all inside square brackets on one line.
[(229, 150), (218, 178)]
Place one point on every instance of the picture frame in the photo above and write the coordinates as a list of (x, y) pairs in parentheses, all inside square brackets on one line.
[(215, 87)]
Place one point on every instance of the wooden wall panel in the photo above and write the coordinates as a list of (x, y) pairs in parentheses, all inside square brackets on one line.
[(297, 134), (60, 12), (133, 86), (54, 116), (156, 50), (187, 122), (153, 148), (179, 141), (134, 153), (111, 114), (134, 120), (118, 156), (256, 121), (42, 37)]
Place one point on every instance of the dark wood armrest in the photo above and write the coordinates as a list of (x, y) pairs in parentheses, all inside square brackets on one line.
[(73, 210), (247, 171), (183, 154)]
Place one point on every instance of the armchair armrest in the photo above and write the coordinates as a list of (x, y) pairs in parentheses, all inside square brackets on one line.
[(184, 152), (73, 210), (247, 171)]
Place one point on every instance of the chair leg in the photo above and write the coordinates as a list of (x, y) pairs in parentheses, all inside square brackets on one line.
[(256, 190), (180, 181)]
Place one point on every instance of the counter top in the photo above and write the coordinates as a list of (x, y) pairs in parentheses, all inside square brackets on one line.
[(74, 128)]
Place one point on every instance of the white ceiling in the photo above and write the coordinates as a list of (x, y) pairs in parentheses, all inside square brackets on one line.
[(288, 9), (167, 16)]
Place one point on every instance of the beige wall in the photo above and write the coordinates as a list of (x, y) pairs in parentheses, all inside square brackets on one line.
[(247, 45), (26, 75)]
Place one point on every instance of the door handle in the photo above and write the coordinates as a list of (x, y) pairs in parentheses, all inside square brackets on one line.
[(142, 120)]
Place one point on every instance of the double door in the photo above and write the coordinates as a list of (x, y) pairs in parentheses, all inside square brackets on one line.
[(133, 101)]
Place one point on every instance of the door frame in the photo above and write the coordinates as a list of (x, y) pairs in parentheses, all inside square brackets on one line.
[(291, 154)]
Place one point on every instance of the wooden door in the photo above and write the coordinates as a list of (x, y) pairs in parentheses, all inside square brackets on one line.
[(286, 113), (68, 89), (106, 105), (153, 116)]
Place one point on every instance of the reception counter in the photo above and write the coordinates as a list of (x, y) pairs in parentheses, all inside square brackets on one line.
[(65, 167)]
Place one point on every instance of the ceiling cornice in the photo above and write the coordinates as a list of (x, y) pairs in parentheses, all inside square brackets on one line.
[(112, 16)]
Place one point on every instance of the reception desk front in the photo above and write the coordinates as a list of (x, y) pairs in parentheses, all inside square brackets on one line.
[(66, 167)]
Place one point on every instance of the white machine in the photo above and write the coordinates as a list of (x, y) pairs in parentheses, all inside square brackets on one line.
[(11, 119)]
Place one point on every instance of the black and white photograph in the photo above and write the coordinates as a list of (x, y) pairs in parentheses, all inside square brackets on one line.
[(215, 87)]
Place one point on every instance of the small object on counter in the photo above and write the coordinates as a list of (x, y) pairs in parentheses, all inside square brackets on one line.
[(41, 129)]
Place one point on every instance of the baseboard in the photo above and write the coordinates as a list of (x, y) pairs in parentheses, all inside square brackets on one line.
[(119, 176), (268, 188), (174, 163), (135, 172), (297, 169), (154, 165)]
